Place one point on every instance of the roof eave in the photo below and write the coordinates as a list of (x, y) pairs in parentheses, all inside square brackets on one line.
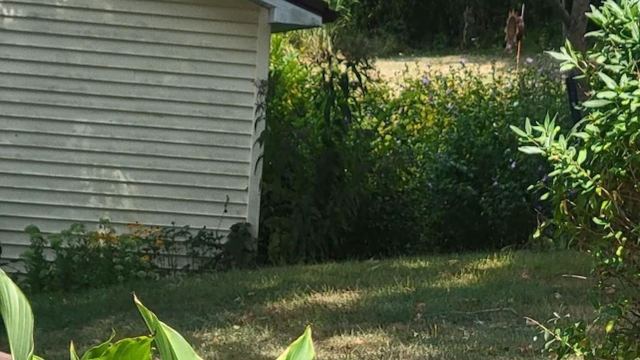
[(287, 15)]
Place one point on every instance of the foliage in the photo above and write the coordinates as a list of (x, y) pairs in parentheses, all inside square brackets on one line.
[(384, 27), (355, 168), (593, 186), (18, 320), (58, 261), (448, 146)]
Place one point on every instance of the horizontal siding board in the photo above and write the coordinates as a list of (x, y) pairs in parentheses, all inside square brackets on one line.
[(213, 123), (114, 160), (186, 10), (116, 174), (126, 91), (98, 201), (87, 212), (222, 26), (127, 62), (129, 190), (115, 146), (124, 104), (151, 36), (141, 78), (141, 49), (131, 133)]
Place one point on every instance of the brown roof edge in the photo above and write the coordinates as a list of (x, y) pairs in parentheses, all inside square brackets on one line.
[(319, 7)]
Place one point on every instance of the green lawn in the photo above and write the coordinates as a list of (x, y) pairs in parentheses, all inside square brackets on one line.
[(446, 307)]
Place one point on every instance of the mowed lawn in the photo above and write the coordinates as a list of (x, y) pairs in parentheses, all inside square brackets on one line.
[(443, 307)]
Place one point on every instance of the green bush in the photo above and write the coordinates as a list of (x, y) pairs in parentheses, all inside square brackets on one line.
[(58, 261), (355, 168), (593, 186)]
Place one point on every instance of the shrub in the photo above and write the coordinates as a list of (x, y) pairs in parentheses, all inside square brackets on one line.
[(593, 185), (59, 261), (355, 168)]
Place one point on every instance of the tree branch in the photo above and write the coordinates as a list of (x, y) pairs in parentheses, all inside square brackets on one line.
[(559, 8)]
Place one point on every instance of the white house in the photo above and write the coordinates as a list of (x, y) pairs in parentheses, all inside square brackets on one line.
[(139, 110)]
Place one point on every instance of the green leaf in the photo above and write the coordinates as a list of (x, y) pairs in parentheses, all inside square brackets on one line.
[(518, 131), (610, 326), (18, 319), (98, 350), (301, 349), (608, 95), (582, 156), (559, 56), (531, 150), (128, 349), (611, 84), (171, 345), (599, 221), (73, 355), (594, 104)]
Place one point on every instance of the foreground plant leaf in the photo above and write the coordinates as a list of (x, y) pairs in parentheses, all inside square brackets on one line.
[(18, 319), (171, 345), (301, 349), (97, 350)]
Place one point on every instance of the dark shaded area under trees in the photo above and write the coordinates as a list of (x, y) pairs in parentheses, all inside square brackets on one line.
[(391, 26)]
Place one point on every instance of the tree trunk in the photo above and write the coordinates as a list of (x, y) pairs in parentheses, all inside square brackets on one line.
[(577, 27), (575, 22)]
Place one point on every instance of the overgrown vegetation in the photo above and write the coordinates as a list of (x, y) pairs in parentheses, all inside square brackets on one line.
[(356, 169), (594, 187), (59, 261)]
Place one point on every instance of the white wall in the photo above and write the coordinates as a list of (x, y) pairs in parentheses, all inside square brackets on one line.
[(140, 110)]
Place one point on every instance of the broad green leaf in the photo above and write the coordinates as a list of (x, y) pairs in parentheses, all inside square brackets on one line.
[(128, 349), (559, 56), (301, 349), (518, 131), (171, 345), (607, 95), (98, 350), (18, 319), (611, 84)]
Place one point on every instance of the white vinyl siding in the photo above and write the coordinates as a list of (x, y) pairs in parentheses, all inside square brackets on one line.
[(138, 110)]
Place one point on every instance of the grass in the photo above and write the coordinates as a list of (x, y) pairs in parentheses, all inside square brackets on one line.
[(444, 307)]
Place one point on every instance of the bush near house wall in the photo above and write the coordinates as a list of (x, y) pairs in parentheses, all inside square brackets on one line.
[(355, 168), (59, 261)]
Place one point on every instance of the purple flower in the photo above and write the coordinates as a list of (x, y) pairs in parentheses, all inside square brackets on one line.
[(426, 80)]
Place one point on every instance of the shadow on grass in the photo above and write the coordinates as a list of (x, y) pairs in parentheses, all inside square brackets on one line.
[(472, 306)]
